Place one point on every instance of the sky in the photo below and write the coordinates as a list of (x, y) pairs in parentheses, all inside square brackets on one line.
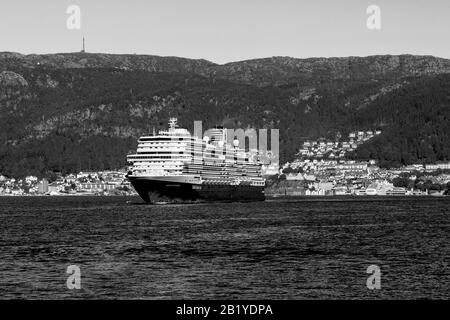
[(228, 30)]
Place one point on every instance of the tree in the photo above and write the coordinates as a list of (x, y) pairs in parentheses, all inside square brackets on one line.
[(401, 182), (288, 170)]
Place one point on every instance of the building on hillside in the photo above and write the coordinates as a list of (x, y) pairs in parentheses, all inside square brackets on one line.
[(397, 191), (294, 176), (436, 166), (42, 186), (53, 188), (340, 190), (270, 170), (31, 179), (97, 187)]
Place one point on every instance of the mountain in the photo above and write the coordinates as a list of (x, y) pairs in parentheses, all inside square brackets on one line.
[(100, 60), (268, 71), (83, 111), (417, 122)]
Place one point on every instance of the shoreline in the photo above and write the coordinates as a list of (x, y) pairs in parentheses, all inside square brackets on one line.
[(268, 198)]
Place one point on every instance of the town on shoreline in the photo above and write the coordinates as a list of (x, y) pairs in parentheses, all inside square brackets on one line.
[(102, 183), (359, 178), (302, 177), (324, 168)]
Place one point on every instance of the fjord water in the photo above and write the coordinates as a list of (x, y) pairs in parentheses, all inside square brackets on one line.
[(284, 249)]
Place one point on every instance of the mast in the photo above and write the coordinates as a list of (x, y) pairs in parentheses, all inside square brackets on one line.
[(173, 123)]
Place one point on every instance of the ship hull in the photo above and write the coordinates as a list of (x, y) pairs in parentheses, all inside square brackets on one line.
[(153, 190)]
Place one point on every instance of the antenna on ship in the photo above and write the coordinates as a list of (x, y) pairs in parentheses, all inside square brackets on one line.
[(173, 123)]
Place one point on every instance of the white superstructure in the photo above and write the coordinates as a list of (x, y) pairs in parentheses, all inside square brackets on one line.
[(175, 154)]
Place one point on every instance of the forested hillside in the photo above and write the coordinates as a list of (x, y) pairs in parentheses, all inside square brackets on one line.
[(77, 112)]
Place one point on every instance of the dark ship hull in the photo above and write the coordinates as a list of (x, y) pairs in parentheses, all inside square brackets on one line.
[(160, 190)]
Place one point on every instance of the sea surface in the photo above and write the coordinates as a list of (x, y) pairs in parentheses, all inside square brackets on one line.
[(279, 249)]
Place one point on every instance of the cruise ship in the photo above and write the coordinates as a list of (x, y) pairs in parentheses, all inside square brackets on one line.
[(175, 166)]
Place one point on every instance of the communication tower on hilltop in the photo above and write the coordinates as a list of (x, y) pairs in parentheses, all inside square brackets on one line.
[(84, 49)]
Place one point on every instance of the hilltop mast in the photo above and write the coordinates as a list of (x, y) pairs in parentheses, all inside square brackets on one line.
[(84, 49)]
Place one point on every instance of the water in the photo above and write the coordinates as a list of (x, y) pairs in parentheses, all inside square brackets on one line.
[(299, 249)]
